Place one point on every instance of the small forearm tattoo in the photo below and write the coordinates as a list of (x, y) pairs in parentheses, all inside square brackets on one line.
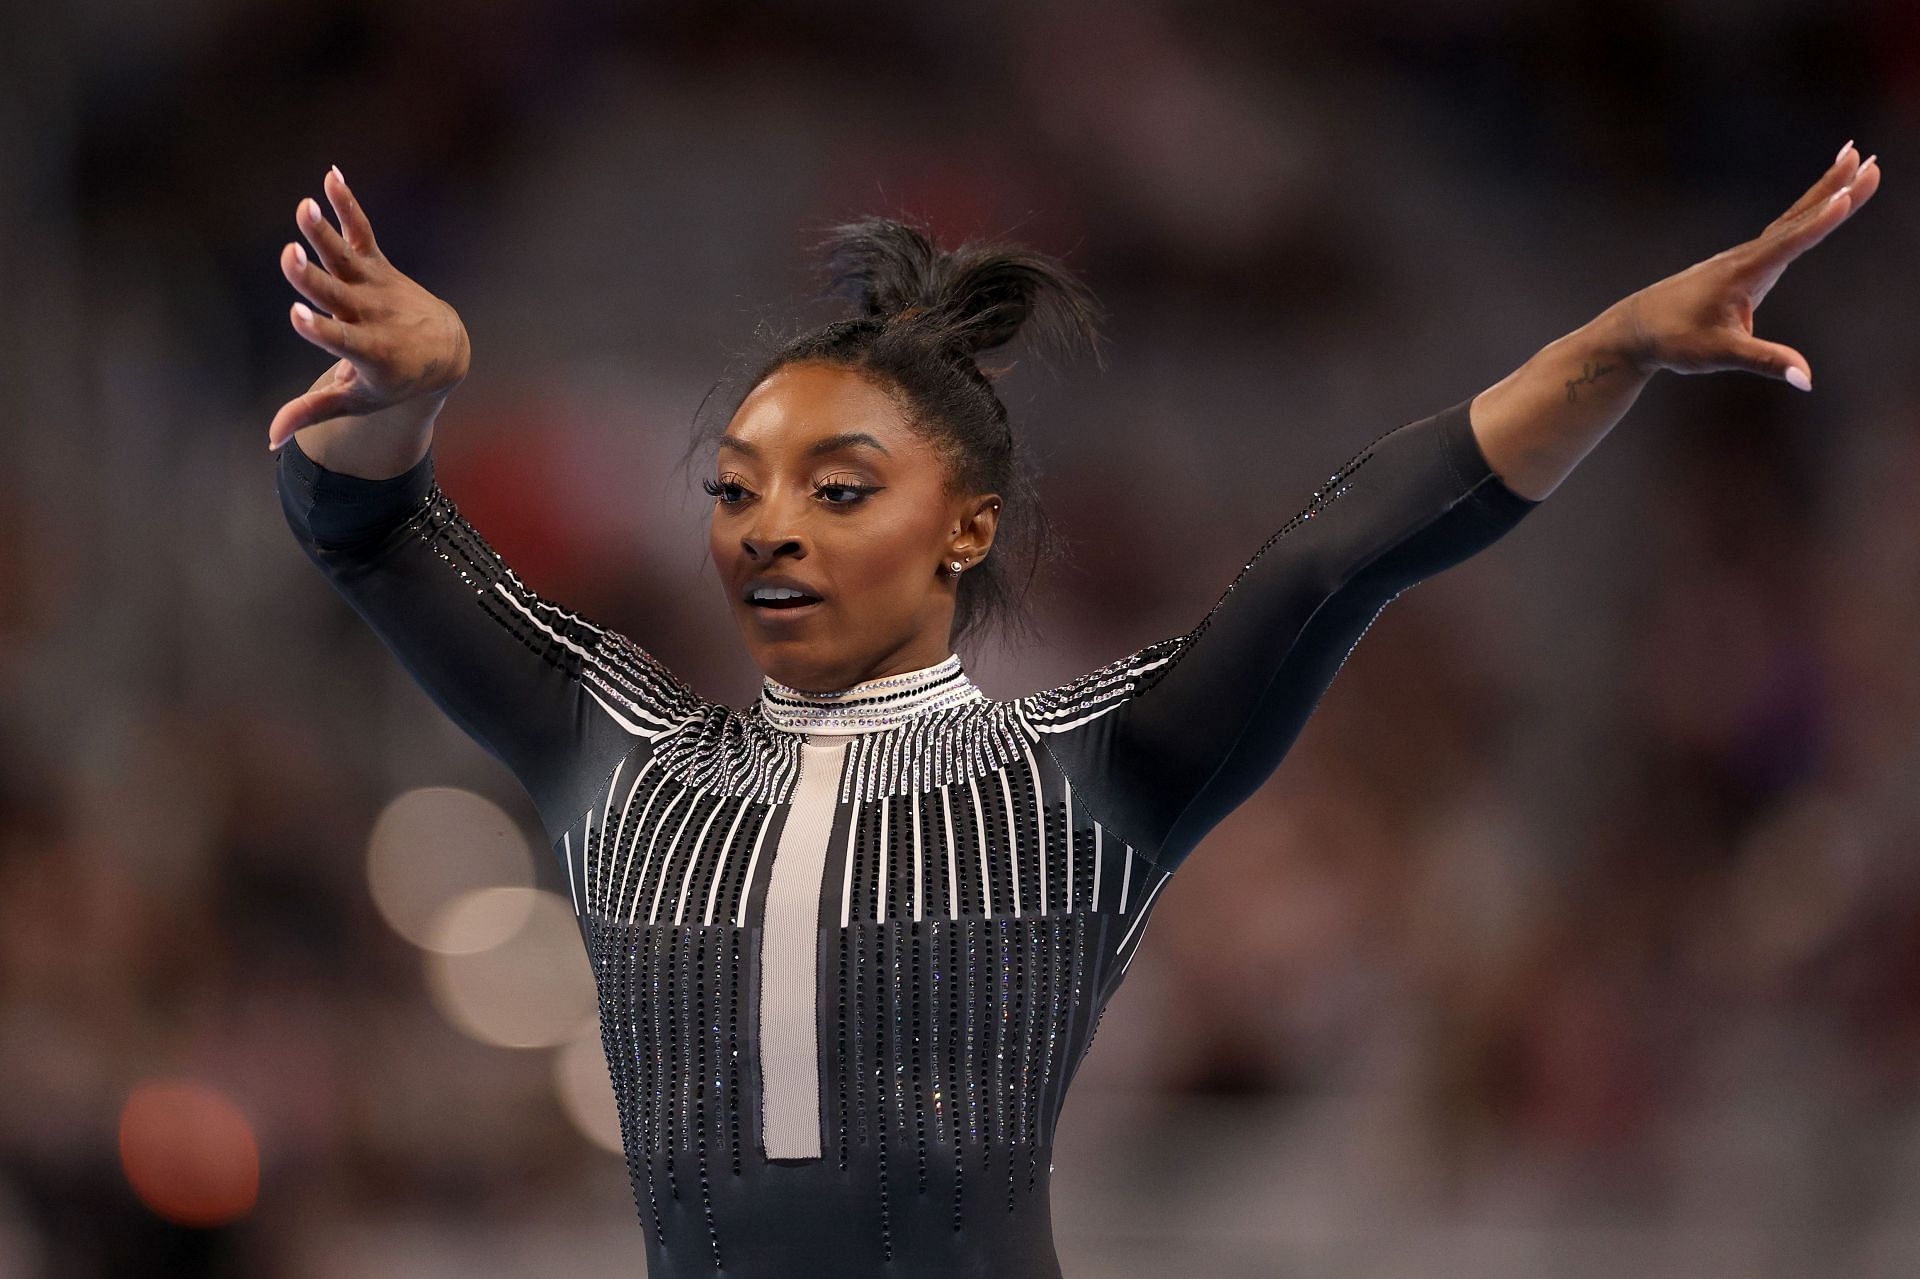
[(1589, 373)]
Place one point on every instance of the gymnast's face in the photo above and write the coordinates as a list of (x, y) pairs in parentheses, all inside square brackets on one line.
[(819, 485)]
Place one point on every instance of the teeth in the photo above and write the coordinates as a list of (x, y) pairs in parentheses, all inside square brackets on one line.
[(777, 593)]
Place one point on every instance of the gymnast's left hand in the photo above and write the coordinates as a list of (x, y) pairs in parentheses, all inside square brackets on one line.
[(1701, 320)]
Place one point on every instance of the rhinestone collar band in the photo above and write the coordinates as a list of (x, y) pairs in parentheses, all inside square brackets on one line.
[(871, 705)]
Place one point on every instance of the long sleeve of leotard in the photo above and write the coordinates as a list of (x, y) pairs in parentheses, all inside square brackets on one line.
[(1170, 739), (555, 698)]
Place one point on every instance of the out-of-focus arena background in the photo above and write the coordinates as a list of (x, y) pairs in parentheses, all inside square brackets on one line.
[(1579, 935)]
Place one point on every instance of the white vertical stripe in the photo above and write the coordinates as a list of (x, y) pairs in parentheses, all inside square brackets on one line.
[(674, 845), (1125, 879), (919, 883), (634, 909), (880, 879), (566, 855), (613, 907), (789, 961), (1066, 788), (1013, 839), (1141, 915), (1096, 864), (1040, 819), (606, 811), (726, 849), (980, 838), (846, 886), (746, 889), (953, 883), (699, 842)]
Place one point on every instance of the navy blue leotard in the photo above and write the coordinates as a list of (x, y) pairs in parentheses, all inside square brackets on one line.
[(851, 948)]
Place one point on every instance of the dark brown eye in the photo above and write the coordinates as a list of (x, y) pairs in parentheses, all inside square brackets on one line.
[(858, 491), (720, 489)]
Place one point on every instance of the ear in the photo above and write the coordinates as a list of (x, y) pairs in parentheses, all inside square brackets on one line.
[(975, 525)]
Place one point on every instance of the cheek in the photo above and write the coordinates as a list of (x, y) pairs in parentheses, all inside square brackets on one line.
[(891, 558)]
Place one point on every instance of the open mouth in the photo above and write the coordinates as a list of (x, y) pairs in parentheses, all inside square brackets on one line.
[(781, 599)]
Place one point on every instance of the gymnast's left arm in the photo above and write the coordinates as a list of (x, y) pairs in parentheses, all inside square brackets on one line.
[(1195, 724)]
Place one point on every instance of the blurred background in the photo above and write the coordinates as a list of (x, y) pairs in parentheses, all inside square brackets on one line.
[(1579, 935)]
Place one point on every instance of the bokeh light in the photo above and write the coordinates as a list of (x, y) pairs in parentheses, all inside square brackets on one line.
[(189, 1154), (434, 844), (530, 991), (585, 1091), (479, 920)]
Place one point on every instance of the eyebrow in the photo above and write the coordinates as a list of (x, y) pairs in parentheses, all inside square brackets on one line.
[(826, 444)]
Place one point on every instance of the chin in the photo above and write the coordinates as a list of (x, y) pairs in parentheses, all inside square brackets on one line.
[(793, 662)]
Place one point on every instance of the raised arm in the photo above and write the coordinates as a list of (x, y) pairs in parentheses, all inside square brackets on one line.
[(1166, 741), (555, 698)]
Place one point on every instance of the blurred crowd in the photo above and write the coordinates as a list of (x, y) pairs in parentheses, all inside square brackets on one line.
[(1579, 934)]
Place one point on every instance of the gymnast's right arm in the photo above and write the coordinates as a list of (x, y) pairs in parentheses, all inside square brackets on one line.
[(556, 699), (540, 688)]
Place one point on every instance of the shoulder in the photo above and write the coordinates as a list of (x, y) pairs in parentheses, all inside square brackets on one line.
[(1101, 689), (631, 683)]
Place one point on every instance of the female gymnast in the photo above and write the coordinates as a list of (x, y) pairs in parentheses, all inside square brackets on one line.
[(852, 942)]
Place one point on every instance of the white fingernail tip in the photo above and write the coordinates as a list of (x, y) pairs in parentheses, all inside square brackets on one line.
[(1848, 189), (302, 310), (299, 256), (1842, 151), (1799, 379)]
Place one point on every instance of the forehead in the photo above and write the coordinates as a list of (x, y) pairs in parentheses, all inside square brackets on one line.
[(803, 406)]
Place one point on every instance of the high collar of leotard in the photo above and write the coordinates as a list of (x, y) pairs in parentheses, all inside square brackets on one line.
[(871, 705)]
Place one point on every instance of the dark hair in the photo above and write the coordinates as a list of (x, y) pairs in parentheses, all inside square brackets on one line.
[(922, 315)]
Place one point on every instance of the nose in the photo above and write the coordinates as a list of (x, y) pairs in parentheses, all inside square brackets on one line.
[(764, 548), (770, 529)]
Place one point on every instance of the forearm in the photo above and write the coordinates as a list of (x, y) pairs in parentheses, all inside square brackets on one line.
[(1206, 717), (376, 446), (1535, 424)]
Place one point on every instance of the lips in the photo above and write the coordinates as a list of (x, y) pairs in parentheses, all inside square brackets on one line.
[(795, 596)]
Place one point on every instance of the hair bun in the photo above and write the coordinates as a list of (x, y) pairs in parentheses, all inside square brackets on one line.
[(976, 297)]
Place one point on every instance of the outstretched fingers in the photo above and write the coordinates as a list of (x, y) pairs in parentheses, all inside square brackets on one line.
[(1812, 219), (1864, 184), (1845, 165), (319, 288), (354, 226), (324, 331), (335, 254)]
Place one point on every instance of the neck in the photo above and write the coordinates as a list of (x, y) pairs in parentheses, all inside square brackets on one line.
[(871, 705)]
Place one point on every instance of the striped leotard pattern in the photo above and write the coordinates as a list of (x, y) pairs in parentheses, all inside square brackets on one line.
[(851, 947)]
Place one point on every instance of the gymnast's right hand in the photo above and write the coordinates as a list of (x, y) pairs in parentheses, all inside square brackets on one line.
[(396, 341)]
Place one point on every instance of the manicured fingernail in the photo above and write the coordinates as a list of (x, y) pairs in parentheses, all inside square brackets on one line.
[(311, 208), (1845, 190), (340, 175), (304, 311), (299, 257), (1842, 151), (1799, 378)]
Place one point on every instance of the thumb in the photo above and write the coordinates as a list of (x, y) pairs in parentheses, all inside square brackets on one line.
[(303, 411), (1772, 359)]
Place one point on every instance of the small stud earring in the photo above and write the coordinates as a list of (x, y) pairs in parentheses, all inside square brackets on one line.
[(956, 566)]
